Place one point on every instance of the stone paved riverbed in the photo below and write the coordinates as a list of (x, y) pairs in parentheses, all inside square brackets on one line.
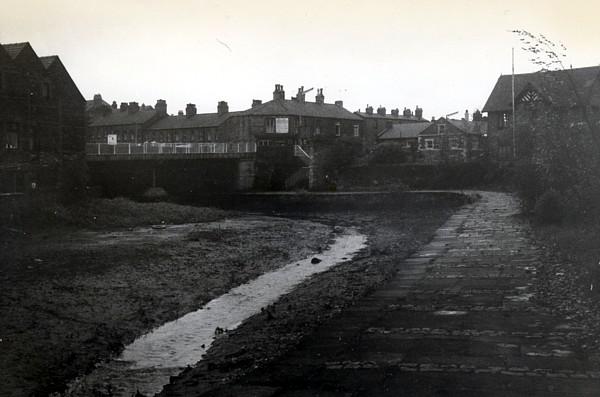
[(459, 318)]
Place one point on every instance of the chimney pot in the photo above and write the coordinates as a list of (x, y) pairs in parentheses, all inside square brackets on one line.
[(133, 107), (222, 107), (320, 98), (279, 93), (418, 112), (190, 110)]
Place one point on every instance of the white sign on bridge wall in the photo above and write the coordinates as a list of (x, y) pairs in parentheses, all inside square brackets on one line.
[(111, 139), (281, 125)]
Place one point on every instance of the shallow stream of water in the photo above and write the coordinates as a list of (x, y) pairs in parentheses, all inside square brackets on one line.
[(148, 362)]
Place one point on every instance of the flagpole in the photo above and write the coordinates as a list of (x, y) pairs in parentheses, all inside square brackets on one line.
[(514, 141)]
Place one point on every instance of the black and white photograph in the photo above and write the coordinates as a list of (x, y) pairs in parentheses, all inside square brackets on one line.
[(278, 198)]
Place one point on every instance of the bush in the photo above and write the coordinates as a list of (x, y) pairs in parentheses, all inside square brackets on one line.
[(549, 208), (388, 153)]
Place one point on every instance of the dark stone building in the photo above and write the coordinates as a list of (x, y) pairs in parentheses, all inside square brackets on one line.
[(568, 96), (375, 123), (42, 120)]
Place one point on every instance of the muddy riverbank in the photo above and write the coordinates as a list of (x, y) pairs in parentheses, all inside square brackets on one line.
[(72, 298)]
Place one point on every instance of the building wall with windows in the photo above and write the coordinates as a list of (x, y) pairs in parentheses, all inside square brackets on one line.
[(42, 119)]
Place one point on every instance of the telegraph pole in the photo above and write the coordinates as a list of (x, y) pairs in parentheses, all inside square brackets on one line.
[(514, 116)]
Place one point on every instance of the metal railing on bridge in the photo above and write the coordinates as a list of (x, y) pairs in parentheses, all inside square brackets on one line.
[(154, 148)]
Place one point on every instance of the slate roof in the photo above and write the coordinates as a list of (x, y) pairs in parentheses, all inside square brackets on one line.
[(14, 49), (118, 117), (288, 107), (403, 131), (554, 86), (202, 120), (48, 61), (470, 127)]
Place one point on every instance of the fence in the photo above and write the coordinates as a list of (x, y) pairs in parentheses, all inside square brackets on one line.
[(126, 149)]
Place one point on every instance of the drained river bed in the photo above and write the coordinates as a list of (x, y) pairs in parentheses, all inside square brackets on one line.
[(148, 363)]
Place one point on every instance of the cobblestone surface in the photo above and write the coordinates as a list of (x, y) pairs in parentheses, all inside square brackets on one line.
[(460, 318)]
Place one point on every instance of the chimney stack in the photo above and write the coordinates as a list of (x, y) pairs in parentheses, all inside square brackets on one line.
[(161, 107), (123, 107), (477, 116), (133, 107), (180, 112), (418, 112), (114, 105), (395, 112), (381, 111), (279, 93), (407, 112), (222, 107), (369, 109), (320, 98), (190, 110), (301, 96), (339, 103), (97, 100), (256, 102)]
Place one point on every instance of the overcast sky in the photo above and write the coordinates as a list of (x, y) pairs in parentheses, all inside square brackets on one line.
[(444, 56)]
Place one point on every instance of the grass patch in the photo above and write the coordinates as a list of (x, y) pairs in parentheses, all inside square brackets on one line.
[(107, 213)]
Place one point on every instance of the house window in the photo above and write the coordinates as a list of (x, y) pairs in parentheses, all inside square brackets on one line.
[(270, 126), (338, 129), (503, 120), (12, 141), (454, 142), (356, 131), (46, 90), (441, 128), (318, 127), (429, 144)]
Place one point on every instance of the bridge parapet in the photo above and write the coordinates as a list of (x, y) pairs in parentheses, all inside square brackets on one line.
[(155, 148)]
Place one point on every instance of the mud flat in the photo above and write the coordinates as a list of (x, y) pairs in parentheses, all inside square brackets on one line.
[(70, 299)]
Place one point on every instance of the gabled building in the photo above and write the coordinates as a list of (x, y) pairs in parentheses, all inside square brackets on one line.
[(450, 140), (566, 94), (42, 119), (442, 140)]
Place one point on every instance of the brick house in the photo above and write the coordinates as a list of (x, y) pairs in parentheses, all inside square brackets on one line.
[(450, 140), (296, 121), (564, 93), (442, 140), (42, 119), (375, 123), (194, 127)]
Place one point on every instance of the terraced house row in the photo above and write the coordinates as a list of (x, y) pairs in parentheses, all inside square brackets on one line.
[(279, 121)]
